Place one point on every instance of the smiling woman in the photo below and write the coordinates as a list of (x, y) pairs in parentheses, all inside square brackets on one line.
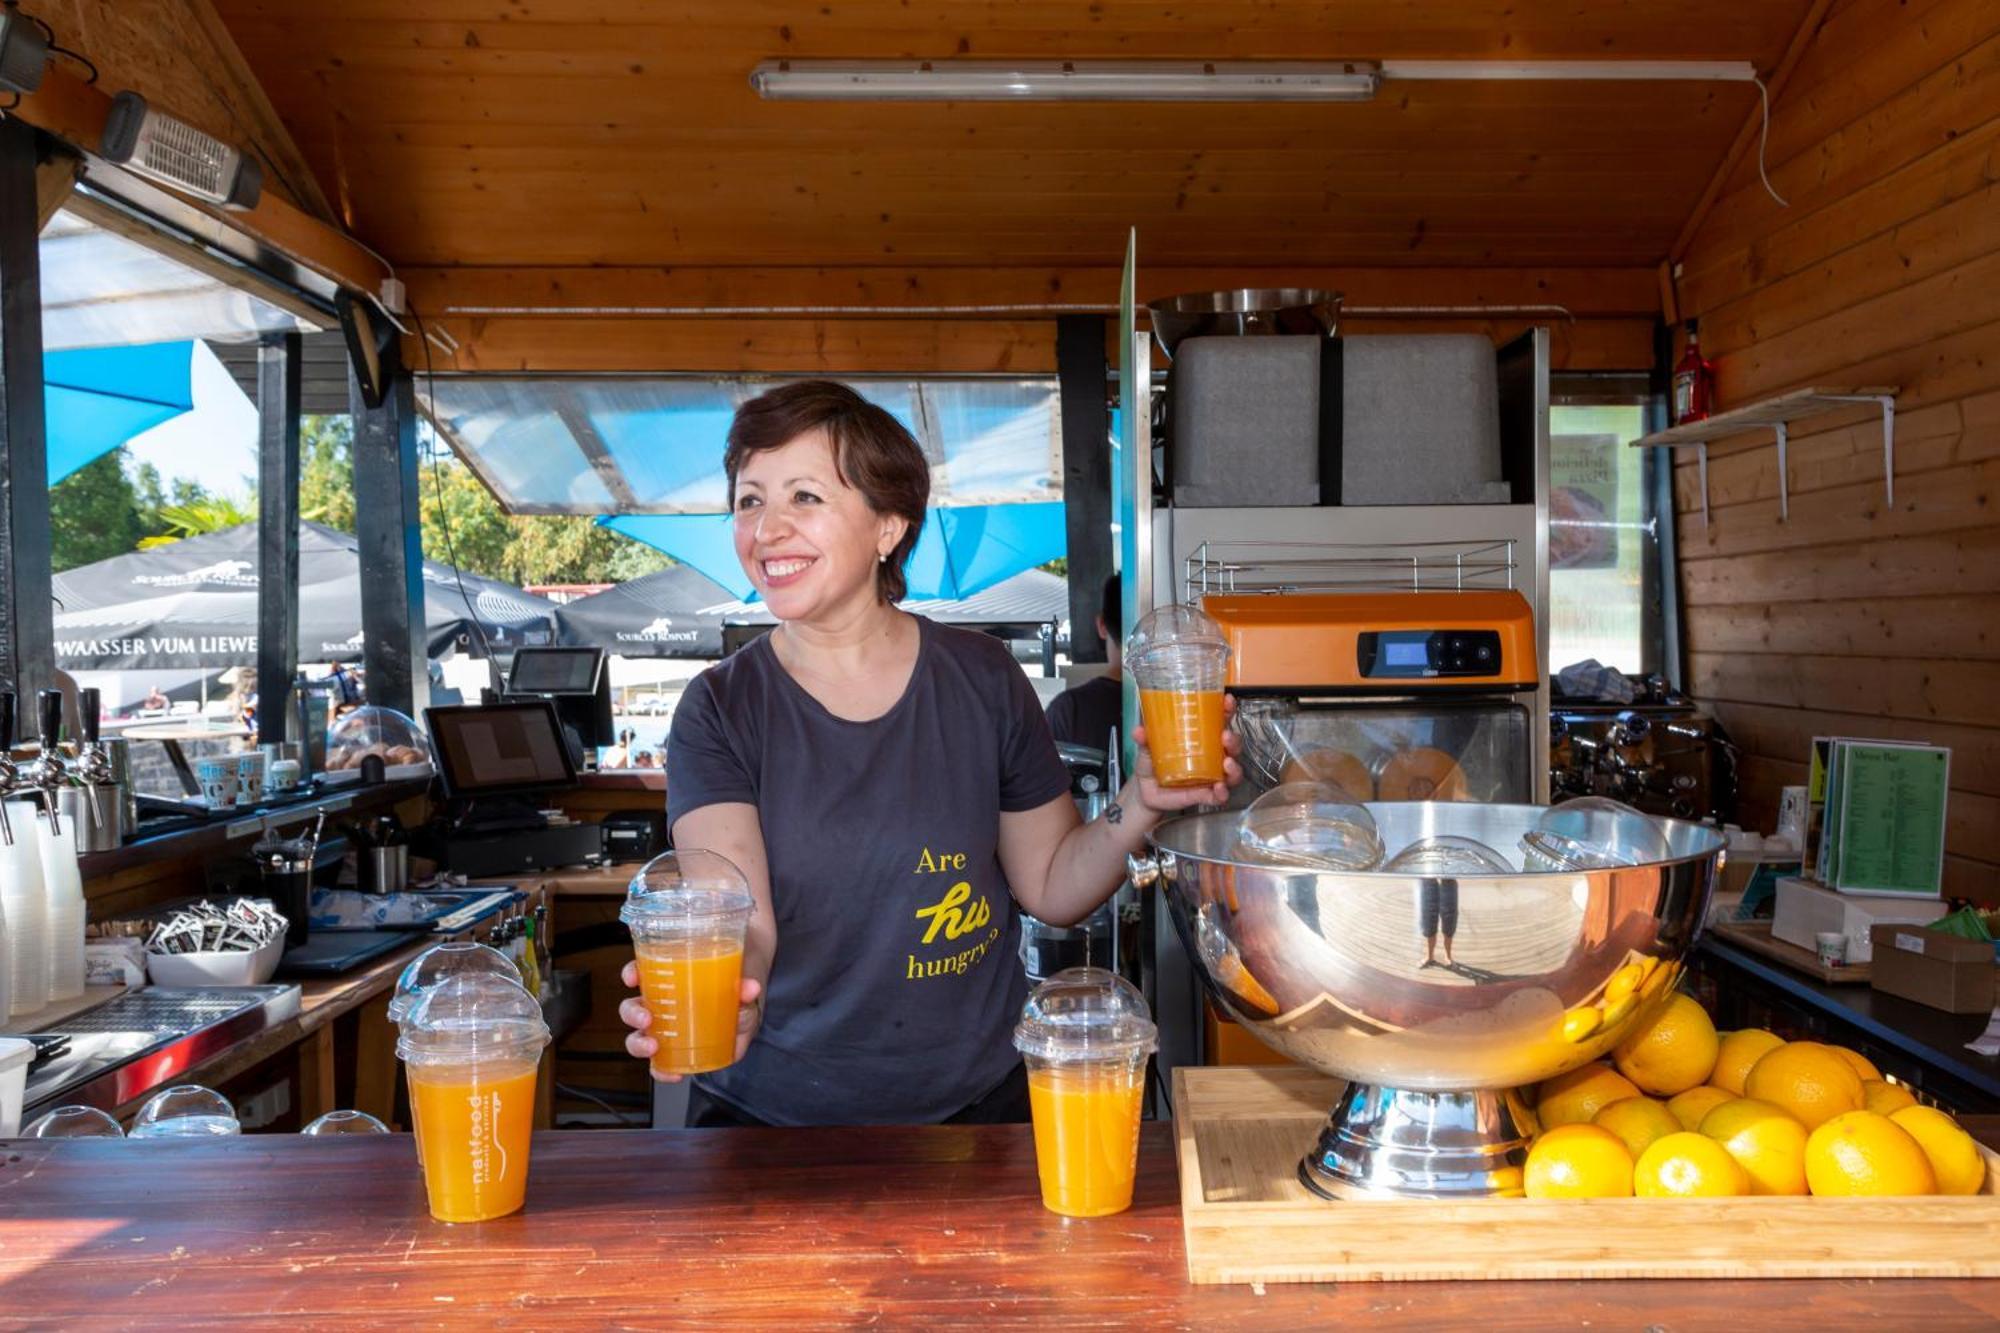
[(890, 790)]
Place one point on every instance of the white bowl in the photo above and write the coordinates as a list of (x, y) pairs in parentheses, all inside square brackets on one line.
[(237, 967)]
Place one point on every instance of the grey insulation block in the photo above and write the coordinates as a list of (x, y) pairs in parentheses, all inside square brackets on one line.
[(1246, 421), (1420, 418)]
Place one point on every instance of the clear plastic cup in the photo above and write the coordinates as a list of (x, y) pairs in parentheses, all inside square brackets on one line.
[(186, 1111), (1311, 825), (470, 1049), (1448, 854), (453, 958), (688, 912), (1593, 833), (1085, 1036), (341, 1124), (74, 1122), (1179, 659)]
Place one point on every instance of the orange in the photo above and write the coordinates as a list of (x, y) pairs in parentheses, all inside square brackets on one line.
[(1883, 1097), (1859, 1063), (1673, 1052), (1956, 1161), (1739, 1050), (1579, 1162), (1692, 1105), (1807, 1079), (1638, 1121), (1859, 1152), (1688, 1166), (1769, 1144), (1575, 1097)]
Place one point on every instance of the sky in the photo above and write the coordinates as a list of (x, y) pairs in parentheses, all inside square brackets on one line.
[(216, 444)]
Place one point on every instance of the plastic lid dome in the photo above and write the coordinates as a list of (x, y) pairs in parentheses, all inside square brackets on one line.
[(686, 890), (340, 1124), (1309, 824), (1174, 626), (1085, 1013), (1448, 854), (470, 1018), (378, 733), (74, 1122), (453, 958), (188, 1111), (1594, 833)]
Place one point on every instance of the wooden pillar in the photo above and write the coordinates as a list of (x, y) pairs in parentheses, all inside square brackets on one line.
[(27, 630), (280, 362), (1084, 378), (390, 530)]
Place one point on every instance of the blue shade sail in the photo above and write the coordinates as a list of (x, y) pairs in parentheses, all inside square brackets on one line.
[(631, 446), (960, 552), (97, 398)]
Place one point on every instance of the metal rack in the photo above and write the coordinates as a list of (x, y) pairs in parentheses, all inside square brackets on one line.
[(1293, 567)]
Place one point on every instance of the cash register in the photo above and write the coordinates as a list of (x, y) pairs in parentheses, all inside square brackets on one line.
[(500, 764)]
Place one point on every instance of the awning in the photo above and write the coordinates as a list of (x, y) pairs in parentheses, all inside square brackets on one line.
[(97, 398)]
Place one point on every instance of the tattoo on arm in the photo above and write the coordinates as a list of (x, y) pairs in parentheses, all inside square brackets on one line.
[(1114, 813)]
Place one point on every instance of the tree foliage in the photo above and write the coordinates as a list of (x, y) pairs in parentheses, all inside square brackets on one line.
[(94, 513)]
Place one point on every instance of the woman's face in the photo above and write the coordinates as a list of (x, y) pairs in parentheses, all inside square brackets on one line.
[(809, 541)]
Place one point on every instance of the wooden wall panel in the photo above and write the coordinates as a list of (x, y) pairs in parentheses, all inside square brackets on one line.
[(1856, 617)]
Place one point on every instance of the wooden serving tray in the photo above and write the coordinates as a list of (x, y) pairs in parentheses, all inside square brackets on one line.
[(1240, 1133), (1756, 936)]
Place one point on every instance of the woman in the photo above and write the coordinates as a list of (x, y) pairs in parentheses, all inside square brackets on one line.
[(890, 789)]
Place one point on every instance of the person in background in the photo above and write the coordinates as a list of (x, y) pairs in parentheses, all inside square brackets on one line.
[(645, 759), (619, 755), (155, 702), (1085, 714)]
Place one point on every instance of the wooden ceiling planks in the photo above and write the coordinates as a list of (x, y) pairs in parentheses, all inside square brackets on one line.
[(609, 132)]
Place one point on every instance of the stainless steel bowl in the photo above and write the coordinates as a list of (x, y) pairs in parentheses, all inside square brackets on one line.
[(1544, 972), (1246, 310)]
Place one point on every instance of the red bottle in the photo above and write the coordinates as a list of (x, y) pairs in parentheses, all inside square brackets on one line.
[(1694, 382)]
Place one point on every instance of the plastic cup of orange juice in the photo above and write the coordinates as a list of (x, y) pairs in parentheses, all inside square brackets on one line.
[(427, 969), (470, 1049), (688, 912), (1179, 659), (1085, 1037)]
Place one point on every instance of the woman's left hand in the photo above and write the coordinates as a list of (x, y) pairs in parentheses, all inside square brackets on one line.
[(1169, 799)]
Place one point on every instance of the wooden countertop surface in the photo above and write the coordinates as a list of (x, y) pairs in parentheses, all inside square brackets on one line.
[(933, 1226)]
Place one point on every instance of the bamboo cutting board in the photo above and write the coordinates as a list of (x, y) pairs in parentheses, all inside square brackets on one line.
[(1240, 1133)]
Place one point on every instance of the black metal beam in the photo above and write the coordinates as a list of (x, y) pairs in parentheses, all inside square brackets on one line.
[(1085, 381), (388, 525), (27, 630), (280, 382)]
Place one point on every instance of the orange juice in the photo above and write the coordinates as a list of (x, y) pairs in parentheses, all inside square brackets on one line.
[(476, 1145), (692, 988), (1184, 734), (1086, 1134)]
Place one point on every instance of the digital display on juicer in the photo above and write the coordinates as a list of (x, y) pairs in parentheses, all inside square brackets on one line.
[(1404, 654), (1423, 654)]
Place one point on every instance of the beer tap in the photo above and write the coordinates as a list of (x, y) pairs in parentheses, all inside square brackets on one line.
[(93, 763), (10, 773), (48, 771)]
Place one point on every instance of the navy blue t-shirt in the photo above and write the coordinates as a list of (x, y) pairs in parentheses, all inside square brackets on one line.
[(897, 979)]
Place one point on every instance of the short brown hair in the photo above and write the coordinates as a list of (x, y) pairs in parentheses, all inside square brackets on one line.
[(871, 451)]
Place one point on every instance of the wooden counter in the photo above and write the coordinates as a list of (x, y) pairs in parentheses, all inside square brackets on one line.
[(931, 1226)]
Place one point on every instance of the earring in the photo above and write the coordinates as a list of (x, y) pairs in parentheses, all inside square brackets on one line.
[(882, 559)]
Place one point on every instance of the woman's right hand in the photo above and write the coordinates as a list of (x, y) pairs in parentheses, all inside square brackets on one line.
[(636, 1016)]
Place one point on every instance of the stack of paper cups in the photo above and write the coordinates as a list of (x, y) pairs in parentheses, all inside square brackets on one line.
[(24, 899), (62, 884)]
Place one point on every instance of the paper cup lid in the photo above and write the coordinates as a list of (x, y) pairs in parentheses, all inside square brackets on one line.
[(1085, 1013), (450, 959), (472, 1017), (687, 885)]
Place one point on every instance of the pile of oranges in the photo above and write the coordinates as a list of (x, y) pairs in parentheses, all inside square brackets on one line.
[(1684, 1111)]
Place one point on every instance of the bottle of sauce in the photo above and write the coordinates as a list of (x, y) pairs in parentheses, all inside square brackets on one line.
[(1694, 382)]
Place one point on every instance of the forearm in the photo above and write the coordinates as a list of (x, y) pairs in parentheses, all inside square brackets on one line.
[(1089, 862)]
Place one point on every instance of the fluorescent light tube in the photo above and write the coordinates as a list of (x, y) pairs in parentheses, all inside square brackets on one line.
[(1064, 81)]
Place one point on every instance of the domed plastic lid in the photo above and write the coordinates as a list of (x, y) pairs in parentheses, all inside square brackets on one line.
[(188, 1111), (340, 1124), (1175, 624), (1448, 854), (1594, 833), (1175, 642), (472, 1018), (379, 733), (690, 888), (450, 959), (1311, 825), (75, 1122), (1085, 1013)]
